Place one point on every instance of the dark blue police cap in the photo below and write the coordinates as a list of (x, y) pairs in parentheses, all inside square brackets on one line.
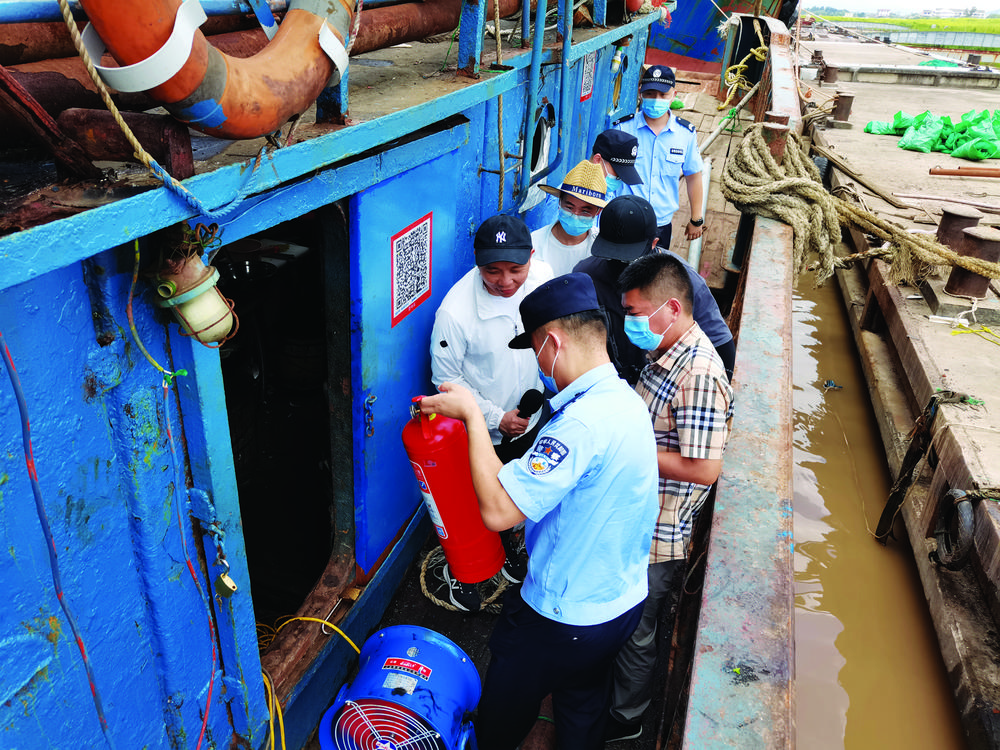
[(556, 298), (657, 78)]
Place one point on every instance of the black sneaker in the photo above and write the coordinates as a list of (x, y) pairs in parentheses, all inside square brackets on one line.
[(515, 566), (616, 731), (515, 570), (465, 596)]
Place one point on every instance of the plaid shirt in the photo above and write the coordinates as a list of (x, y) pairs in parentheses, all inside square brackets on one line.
[(691, 405)]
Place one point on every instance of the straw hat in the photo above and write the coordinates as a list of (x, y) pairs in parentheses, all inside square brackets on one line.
[(584, 181)]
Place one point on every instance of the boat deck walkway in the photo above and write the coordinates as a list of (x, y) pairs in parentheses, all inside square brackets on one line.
[(701, 109), (909, 352)]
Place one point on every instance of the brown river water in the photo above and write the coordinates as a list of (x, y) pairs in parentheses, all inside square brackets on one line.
[(868, 670)]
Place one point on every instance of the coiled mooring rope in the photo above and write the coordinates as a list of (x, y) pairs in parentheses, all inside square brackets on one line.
[(793, 193), (492, 588)]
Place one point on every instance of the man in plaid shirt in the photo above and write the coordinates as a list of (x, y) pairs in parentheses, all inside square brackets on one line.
[(691, 404)]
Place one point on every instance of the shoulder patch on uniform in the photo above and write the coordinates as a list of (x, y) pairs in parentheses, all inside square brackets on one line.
[(547, 454), (686, 124)]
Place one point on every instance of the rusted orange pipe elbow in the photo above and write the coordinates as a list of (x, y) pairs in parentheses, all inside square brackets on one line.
[(222, 95)]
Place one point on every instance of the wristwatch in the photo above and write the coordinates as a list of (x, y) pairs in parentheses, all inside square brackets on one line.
[(697, 222)]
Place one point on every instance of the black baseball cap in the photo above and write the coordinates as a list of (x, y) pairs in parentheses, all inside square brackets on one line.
[(657, 78), (502, 238), (620, 149), (556, 298), (628, 226)]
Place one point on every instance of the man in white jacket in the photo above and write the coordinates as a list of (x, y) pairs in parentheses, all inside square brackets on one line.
[(476, 319)]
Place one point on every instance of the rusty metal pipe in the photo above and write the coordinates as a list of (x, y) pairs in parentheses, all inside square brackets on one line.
[(60, 84), (967, 171), (409, 22), (22, 43), (220, 95)]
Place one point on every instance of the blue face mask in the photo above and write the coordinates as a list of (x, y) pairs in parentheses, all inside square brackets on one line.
[(655, 108), (614, 185), (548, 380), (639, 333), (574, 225)]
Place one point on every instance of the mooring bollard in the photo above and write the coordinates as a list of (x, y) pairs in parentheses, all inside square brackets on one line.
[(978, 242), (953, 220), (842, 103), (776, 137)]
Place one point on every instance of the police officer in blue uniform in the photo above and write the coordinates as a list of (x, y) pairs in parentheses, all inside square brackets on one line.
[(668, 151), (587, 490)]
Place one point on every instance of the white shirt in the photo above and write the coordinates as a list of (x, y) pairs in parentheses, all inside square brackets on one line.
[(469, 345), (562, 258)]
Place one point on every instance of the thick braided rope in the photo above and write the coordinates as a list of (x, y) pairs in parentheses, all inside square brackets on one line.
[(794, 194)]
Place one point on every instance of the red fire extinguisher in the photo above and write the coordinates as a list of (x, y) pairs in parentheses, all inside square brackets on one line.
[(438, 449)]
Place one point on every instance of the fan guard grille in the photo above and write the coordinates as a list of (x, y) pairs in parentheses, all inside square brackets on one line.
[(373, 724)]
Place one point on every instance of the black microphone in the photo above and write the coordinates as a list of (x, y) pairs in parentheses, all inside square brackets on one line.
[(531, 401)]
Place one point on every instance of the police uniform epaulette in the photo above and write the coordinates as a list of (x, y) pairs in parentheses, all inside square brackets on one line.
[(626, 118), (686, 124)]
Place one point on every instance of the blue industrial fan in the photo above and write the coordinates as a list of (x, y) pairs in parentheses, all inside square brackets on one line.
[(415, 690)]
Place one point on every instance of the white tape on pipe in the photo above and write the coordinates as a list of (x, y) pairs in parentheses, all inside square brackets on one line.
[(333, 48), (159, 67)]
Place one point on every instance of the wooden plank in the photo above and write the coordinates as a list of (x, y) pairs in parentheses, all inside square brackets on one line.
[(843, 166)]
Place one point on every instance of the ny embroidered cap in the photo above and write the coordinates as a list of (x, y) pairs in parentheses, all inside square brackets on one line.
[(628, 226), (502, 238), (657, 78), (584, 181), (556, 298), (619, 149)]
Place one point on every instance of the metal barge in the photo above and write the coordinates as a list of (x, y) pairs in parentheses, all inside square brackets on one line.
[(917, 348), (271, 469)]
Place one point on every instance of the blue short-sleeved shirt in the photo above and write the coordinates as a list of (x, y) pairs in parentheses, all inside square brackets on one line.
[(661, 162), (588, 487)]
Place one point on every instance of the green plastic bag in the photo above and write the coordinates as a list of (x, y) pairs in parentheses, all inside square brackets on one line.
[(876, 127), (923, 137), (977, 150), (948, 137), (901, 121)]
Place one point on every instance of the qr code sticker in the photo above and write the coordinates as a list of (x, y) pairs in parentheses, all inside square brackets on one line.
[(587, 81), (411, 268)]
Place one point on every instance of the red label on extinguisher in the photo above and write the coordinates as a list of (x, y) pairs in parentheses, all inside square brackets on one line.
[(432, 509)]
